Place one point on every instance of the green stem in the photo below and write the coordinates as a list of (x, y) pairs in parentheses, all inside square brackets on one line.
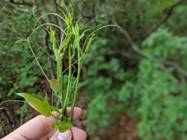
[(7, 101), (66, 100), (59, 74), (60, 80), (46, 24), (76, 83), (38, 63)]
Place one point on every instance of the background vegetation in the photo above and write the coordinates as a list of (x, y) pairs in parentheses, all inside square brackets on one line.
[(134, 83)]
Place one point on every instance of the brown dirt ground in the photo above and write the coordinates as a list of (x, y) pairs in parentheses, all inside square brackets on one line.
[(125, 129)]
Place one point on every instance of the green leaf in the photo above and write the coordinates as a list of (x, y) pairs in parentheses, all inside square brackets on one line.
[(54, 84), (42, 107)]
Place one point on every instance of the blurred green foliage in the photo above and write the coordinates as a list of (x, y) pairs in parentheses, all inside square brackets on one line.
[(17, 66), (160, 94), (18, 69), (148, 83)]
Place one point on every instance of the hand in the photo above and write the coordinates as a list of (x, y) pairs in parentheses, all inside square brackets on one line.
[(39, 128)]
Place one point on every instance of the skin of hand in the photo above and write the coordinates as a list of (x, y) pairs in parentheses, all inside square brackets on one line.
[(39, 128)]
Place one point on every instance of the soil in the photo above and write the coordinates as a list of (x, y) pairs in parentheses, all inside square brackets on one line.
[(125, 129)]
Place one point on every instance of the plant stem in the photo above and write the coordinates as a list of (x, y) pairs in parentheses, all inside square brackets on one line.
[(59, 73), (37, 60), (76, 82), (66, 100)]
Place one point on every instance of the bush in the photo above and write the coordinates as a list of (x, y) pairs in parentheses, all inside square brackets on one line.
[(155, 95), (159, 91)]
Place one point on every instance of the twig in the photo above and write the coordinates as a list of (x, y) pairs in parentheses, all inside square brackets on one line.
[(21, 3), (134, 46), (164, 20), (136, 49), (177, 67), (124, 54)]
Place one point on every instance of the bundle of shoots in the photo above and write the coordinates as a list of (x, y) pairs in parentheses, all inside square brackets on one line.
[(73, 46)]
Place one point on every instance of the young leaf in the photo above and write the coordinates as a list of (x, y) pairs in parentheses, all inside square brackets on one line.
[(42, 107), (54, 84)]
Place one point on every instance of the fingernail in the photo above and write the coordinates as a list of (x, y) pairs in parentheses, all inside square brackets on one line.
[(64, 136)]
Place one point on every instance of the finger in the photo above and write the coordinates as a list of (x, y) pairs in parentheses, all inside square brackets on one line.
[(52, 135), (38, 126), (62, 136), (73, 134), (78, 134), (49, 135), (32, 129), (77, 112)]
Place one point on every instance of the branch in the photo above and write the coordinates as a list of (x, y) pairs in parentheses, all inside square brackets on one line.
[(124, 54), (177, 68), (164, 20), (134, 46), (21, 3)]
